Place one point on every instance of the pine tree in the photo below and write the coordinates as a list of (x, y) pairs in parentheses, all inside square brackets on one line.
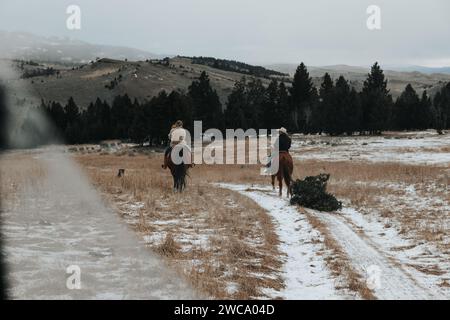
[(376, 101), (354, 113), (303, 95), (340, 107), (71, 111), (206, 104), (283, 108), (98, 121), (180, 108), (236, 104), (159, 118), (406, 109), (445, 104), (139, 124), (58, 116), (72, 132), (271, 117), (255, 92), (323, 113), (441, 109), (340, 99), (424, 116), (121, 116)]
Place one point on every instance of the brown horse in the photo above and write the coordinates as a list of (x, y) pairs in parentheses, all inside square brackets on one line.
[(285, 170), (179, 171)]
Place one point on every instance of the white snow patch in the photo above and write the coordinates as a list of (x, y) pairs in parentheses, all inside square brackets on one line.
[(395, 280), (305, 273), (422, 149)]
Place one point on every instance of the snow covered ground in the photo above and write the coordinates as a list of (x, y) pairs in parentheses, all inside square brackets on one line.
[(305, 273), (425, 148), (392, 279), (406, 253), (62, 222), (387, 272)]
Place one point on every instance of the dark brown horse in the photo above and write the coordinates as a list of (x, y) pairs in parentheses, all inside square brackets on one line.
[(179, 171), (285, 170)]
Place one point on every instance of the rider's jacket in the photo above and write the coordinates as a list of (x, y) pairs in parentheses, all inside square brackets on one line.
[(284, 142), (177, 135)]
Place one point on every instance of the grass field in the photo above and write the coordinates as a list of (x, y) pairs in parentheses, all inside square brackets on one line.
[(226, 245)]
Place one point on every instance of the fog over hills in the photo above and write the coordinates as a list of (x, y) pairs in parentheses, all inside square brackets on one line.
[(26, 46)]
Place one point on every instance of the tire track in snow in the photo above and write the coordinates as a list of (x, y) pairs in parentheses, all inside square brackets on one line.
[(395, 283), (63, 221), (305, 273)]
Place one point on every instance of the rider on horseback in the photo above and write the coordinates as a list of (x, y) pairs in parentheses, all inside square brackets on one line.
[(284, 144), (177, 135)]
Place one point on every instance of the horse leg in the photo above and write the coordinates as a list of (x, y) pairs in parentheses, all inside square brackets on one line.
[(180, 184), (280, 184), (288, 186), (174, 184), (273, 182)]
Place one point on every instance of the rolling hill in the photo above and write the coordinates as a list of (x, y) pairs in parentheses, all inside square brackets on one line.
[(58, 68)]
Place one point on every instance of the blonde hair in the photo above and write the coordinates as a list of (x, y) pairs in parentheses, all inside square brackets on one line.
[(178, 124)]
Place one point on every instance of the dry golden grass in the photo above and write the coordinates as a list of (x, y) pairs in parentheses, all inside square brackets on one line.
[(241, 245), (343, 171), (364, 185), (216, 237), (18, 170), (381, 190)]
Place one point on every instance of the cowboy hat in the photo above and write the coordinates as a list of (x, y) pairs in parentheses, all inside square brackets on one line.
[(282, 129)]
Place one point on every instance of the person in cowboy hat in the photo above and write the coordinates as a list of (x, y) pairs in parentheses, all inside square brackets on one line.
[(284, 144), (177, 135)]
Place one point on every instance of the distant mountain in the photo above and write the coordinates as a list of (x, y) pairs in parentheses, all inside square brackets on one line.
[(421, 69), (27, 46), (346, 69), (397, 79)]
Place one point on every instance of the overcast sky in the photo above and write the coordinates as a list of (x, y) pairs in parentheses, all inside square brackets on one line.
[(317, 32)]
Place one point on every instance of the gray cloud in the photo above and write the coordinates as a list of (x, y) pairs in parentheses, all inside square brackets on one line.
[(259, 31)]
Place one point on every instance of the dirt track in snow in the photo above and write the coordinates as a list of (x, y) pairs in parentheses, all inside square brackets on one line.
[(305, 273), (394, 281), (63, 222)]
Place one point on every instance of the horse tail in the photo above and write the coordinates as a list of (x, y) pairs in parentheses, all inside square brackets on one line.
[(287, 175), (180, 175), (287, 170)]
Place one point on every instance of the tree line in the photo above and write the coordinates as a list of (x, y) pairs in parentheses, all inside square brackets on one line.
[(335, 108), (236, 66)]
